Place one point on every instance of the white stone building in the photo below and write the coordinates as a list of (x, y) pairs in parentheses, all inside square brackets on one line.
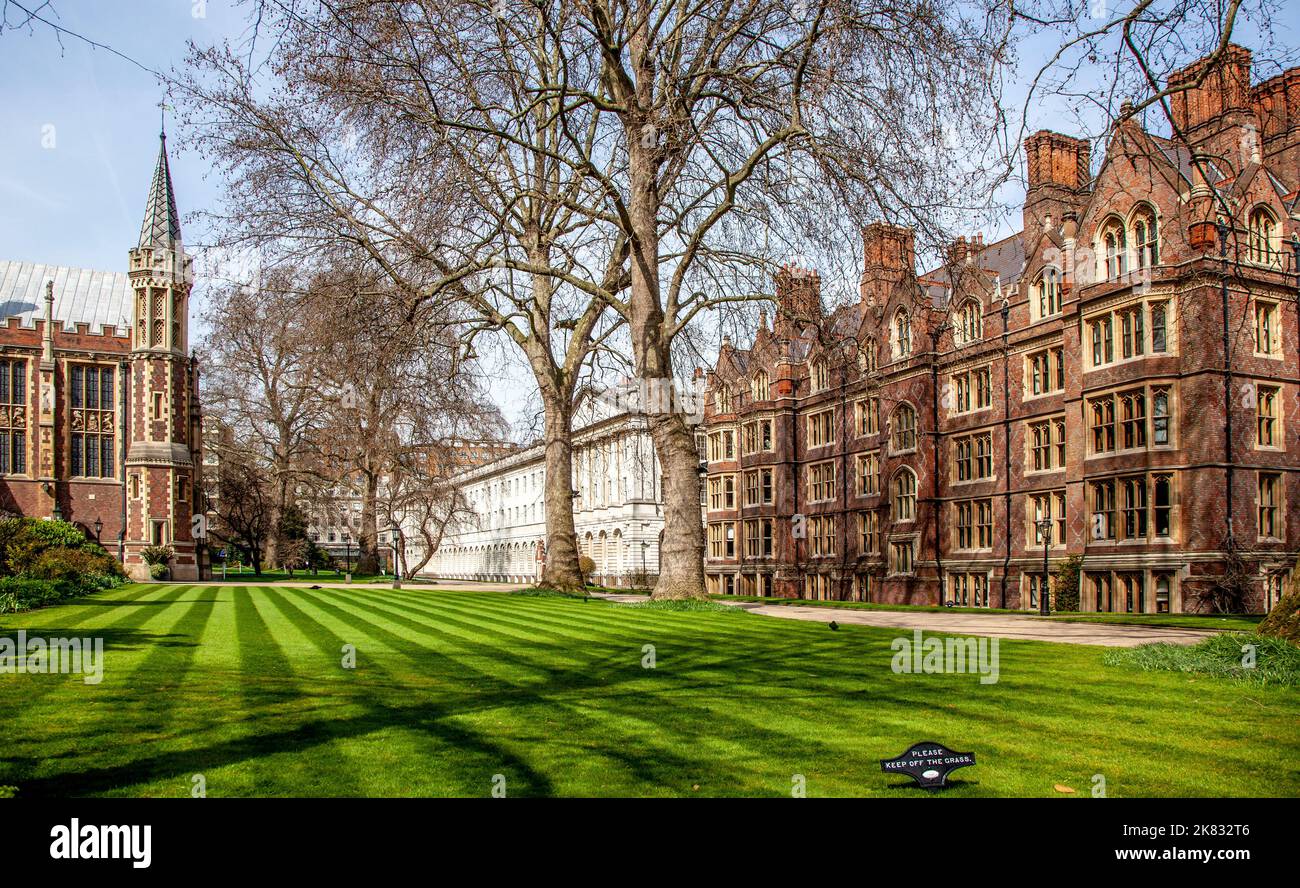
[(618, 507)]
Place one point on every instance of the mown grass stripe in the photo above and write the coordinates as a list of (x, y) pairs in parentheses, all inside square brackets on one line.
[(137, 689), (414, 719)]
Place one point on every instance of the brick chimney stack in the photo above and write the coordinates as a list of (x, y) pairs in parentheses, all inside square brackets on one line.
[(889, 258), (1058, 171), (1276, 103), (798, 301), (1053, 160), (1205, 92)]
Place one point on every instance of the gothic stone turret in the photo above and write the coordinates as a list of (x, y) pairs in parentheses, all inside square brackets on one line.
[(160, 463)]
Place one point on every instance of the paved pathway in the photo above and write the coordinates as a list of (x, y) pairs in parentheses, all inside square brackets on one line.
[(992, 625), (308, 582)]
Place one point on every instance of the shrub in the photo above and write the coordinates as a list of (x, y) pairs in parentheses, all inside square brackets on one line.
[(23, 541), (46, 562), (156, 555), (20, 593), (587, 565), (53, 533), (158, 571), (1067, 583), (60, 563)]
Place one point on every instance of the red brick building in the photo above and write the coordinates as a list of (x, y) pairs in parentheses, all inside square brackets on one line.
[(1123, 371), (99, 410)]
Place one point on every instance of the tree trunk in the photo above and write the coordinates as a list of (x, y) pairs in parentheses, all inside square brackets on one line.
[(368, 538), (561, 569), (681, 554)]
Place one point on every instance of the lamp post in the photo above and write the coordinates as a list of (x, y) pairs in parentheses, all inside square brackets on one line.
[(582, 577), (99, 527), (645, 544), (1044, 533)]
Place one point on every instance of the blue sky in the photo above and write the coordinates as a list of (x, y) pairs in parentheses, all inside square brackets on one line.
[(78, 198), (79, 132)]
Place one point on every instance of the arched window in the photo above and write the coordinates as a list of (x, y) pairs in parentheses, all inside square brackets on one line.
[(758, 386), (904, 495), (969, 326), (1048, 291), (1263, 230), (1114, 249), (903, 428), (1146, 241), (867, 356), (722, 400), (821, 376), (901, 334)]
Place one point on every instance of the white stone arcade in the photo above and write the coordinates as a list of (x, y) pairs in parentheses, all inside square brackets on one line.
[(618, 510)]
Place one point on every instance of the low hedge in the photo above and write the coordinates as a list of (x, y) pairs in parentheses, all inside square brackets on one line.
[(46, 562), (24, 593)]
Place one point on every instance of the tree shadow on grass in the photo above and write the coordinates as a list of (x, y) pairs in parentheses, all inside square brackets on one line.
[(729, 705)]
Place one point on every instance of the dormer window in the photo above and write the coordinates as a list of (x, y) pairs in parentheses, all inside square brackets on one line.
[(722, 401), (1262, 234), (1047, 292), (758, 387), (1146, 243), (1114, 249), (969, 325), (901, 334)]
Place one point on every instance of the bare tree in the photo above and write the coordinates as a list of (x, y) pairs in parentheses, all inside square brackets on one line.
[(661, 123), (487, 215), (244, 506), (261, 383), (394, 389), (417, 497)]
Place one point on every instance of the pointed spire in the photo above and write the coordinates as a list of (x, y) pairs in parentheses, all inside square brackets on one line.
[(162, 224)]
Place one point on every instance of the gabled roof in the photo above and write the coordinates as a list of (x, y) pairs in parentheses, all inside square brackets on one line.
[(1003, 259), (1180, 158), (98, 298)]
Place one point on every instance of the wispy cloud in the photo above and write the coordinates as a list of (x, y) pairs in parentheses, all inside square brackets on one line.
[(23, 192)]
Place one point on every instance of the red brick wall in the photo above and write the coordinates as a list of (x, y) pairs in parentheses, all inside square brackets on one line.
[(1190, 280)]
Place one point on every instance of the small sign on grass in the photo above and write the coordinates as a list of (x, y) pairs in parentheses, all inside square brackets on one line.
[(929, 764)]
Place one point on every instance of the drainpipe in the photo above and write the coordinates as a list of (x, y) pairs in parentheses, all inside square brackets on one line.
[(1006, 444), (843, 535), (125, 429), (934, 448), (1227, 374)]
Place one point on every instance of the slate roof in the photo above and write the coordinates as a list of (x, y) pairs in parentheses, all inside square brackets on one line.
[(98, 298), (162, 224)]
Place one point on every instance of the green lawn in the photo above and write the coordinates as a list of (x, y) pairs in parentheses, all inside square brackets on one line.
[(243, 685)]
